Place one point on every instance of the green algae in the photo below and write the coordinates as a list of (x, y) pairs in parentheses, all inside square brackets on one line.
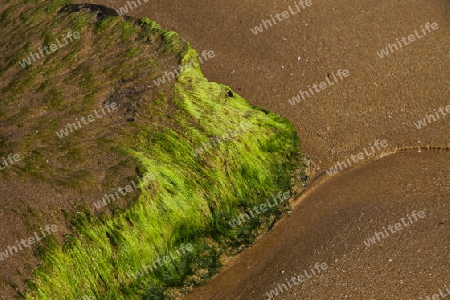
[(192, 198)]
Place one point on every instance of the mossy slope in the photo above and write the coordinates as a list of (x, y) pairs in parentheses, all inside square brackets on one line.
[(193, 197)]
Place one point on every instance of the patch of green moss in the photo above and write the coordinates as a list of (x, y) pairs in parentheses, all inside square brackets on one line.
[(192, 198), (56, 5), (128, 31), (104, 24)]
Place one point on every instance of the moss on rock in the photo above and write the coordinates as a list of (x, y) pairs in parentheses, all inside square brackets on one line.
[(191, 195)]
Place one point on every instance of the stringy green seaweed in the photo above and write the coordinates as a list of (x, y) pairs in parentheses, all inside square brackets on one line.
[(191, 201)]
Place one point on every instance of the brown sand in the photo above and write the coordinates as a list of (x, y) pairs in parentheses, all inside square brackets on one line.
[(380, 100), (331, 223)]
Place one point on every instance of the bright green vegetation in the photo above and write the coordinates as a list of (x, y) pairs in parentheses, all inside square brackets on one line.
[(192, 198)]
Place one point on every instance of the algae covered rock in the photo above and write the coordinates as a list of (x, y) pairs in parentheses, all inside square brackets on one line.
[(142, 179)]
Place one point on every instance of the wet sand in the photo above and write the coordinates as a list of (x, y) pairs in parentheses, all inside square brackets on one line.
[(381, 99), (330, 224)]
